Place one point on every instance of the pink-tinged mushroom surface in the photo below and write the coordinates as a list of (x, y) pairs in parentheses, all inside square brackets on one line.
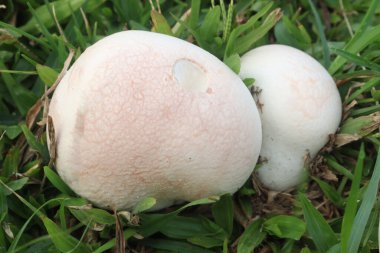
[(301, 107), (141, 114)]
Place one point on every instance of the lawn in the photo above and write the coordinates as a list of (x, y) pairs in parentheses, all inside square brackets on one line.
[(335, 210)]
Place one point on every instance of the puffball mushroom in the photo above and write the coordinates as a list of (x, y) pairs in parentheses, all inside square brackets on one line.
[(142, 114), (301, 106)]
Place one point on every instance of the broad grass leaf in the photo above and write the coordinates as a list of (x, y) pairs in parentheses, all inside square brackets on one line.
[(285, 226), (16, 185), (291, 33), (63, 9), (238, 31), (151, 223), (317, 227), (144, 205), (210, 24), (181, 227), (223, 213), (174, 246), (62, 240), (13, 131), (11, 162), (47, 74), (34, 143), (194, 16), (160, 25), (251, 237), (57, 182), (233, 62), (206, 241), (247, 40), (93, 217)]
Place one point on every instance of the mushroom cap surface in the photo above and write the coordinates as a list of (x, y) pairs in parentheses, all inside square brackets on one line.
[(301, 106), (142, 114)]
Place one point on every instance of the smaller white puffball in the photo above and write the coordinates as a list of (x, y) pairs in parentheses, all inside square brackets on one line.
[(301, 107)]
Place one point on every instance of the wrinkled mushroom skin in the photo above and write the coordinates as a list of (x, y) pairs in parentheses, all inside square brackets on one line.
[(143, 114), (301, 106)]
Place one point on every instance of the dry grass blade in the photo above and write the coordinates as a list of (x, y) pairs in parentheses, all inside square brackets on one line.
[(36, 108), (120, 241)]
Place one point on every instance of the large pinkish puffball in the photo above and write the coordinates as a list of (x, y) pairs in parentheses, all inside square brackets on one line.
[(301, 107), (142, 114)]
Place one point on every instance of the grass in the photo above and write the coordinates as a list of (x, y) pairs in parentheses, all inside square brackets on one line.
[(335, 211)]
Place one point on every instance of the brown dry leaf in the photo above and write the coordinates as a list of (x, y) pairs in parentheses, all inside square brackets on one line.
[(329, 176), (120, 241), (347, 108), (343, 139)]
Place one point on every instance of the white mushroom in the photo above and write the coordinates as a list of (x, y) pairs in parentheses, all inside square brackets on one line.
[(301, 106), (143, 114)]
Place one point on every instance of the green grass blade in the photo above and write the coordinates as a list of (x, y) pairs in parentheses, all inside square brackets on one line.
[(144, 205), (62, 240), (128, 233), (321, 33), (352, 202), (355, 46), (223, 213), (34, 143), (174, 246), (63, 9), (57, 182), (22, 97), (336, 166), (27, 35), (228, 23), (246, 41), (366, 87), (252, 237), (3, 205), (359, 61), (230, 47), (285, 226), (160, 25), (11, 162), (47, 74), (194, 16), (317, 227), (330, 192), (366, 206), (361, 38)]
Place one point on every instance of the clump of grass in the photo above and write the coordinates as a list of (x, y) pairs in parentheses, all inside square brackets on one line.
[(336, 211)]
